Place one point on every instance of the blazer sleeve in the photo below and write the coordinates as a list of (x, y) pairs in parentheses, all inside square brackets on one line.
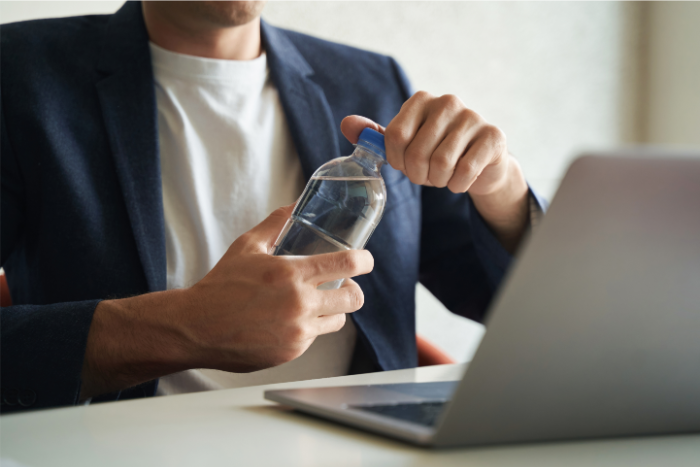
[(42, 346), (462, 262)]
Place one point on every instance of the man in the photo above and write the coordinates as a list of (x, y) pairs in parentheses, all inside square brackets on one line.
[(137, 147)]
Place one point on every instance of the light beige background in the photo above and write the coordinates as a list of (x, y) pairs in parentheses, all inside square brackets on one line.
[(558, 78)]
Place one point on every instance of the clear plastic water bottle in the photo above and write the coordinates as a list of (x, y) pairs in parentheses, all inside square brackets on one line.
[(341, 205)]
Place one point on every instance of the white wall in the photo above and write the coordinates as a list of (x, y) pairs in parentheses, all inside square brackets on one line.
[(549, 74), (673, 69), (557, 77)]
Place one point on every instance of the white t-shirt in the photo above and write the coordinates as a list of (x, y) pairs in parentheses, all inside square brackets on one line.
[(227, 161)]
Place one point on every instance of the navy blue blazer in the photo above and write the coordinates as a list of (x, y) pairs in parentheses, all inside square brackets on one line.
[(82, 210)]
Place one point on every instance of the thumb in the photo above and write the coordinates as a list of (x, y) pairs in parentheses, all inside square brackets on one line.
[(265, 233), (352, 126)]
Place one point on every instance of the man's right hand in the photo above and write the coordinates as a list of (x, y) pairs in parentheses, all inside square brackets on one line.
[(252, 311)]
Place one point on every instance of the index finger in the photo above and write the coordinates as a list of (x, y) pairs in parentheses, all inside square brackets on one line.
[(403, 128), (328, 267)]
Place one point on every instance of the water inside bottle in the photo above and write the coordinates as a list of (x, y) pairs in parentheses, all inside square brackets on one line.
[(334, 214)]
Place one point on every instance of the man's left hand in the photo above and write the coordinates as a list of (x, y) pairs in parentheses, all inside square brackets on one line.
[(438, 141)]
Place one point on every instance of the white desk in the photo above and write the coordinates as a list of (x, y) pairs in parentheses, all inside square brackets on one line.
[(238, 427)]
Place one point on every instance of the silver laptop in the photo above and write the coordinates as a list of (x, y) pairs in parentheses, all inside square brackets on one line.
[(595, 333)]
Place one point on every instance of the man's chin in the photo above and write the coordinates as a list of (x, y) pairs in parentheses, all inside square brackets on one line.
[(228, 14)]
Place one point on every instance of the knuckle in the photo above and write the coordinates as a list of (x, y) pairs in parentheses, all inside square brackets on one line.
[(280, 274), (421, 96), (355, 262), (397, 136), (291, 273), (245, 238), (350, 261), (271, 277), (317, 267), (469, 117), (244, 242), (441, 163), (296, 302), (494, 134), (414, 156), (467, 171), (451, 103), (282, 213), (297, 332), (471, 168)]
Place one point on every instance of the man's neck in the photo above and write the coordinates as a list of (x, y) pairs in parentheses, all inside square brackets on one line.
[(203, 40)]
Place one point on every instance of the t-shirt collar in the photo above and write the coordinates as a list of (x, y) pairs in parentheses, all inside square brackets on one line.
[(193, 68)]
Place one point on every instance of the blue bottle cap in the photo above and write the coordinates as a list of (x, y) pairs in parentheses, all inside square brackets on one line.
[(373, 141)]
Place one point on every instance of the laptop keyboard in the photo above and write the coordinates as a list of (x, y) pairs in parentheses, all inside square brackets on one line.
[(423, 413)]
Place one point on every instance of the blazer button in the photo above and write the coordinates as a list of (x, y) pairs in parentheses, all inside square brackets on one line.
[(9, 396), (26, 397)]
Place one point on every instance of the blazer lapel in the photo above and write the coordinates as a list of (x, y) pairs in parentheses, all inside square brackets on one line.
[(128, 103), (308, 114), (127, 98)]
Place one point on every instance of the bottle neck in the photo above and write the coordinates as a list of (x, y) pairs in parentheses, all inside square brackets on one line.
[(368, 158)]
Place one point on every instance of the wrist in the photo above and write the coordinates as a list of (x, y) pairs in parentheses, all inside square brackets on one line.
[(134, 340), (505, 208), (190, 348)]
